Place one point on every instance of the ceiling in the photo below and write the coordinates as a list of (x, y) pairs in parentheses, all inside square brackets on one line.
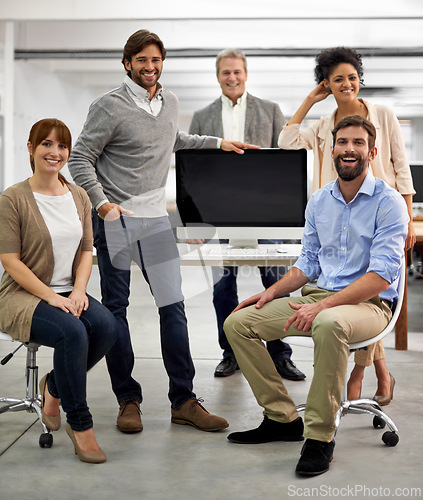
[(78, 45)]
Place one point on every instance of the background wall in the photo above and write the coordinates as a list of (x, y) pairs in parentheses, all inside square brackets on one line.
[(39, 95), (56, 58)]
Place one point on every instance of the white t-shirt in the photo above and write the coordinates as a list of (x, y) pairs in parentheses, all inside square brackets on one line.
[(62, 221)]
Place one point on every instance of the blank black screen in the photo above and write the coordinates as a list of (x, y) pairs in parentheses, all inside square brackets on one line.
[(417, 174), (266, 187)]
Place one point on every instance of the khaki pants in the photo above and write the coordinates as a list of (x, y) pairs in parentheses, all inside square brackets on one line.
[(373, 353), (333, 329)]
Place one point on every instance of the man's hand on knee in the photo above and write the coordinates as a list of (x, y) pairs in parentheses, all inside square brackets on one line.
[(259, 300), (304, 316)]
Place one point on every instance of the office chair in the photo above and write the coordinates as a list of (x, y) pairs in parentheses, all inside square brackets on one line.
[(32, 401), (369, 406)]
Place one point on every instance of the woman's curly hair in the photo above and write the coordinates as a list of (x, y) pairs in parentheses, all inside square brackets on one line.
[(327, 60)]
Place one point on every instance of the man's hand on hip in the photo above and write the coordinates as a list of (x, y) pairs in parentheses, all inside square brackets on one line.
[(110, 211)]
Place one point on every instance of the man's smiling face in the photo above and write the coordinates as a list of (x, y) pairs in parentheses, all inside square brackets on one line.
[(232, 77), (351, 152), (146, 68)]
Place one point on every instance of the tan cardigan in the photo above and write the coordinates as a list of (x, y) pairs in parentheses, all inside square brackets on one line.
[(390, 164), (23, 230)]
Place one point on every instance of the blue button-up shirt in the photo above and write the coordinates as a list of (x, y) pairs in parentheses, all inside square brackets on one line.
[(343, 241)]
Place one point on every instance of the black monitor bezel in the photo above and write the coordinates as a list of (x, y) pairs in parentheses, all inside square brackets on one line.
[(259, 152)]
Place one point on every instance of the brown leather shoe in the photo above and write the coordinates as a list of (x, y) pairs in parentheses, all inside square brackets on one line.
[(193, 413), (129, 417)]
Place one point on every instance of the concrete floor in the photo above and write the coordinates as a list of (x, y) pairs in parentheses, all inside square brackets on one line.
[(168, 461)]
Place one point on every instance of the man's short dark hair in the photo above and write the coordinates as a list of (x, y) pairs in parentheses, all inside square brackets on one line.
[(357, 121), (138, 41)]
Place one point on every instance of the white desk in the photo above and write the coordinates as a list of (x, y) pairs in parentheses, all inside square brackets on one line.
[(199, 255)]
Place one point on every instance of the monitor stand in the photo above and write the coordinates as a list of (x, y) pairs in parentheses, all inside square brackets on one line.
[(243, 243)]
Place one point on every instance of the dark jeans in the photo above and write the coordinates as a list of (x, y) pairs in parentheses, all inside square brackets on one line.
[(225, 299), (79, 343), (151, 244)]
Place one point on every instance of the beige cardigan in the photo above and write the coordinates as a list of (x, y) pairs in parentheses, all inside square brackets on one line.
[(23, 230), (390, 164)]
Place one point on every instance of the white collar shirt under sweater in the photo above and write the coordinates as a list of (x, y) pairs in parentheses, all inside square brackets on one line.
[(123, 152), (141, 97)]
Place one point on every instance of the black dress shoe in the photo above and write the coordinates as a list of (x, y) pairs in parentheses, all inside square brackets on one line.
[(270, 430), (226, 367), (287, 369), (315, 457)]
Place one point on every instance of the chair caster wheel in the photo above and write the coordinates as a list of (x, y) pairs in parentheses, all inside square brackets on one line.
[(378, 423), (46, 440), (390, 438)]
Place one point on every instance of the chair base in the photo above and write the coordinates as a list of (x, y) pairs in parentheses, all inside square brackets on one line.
[(369, 407), (32, 402)]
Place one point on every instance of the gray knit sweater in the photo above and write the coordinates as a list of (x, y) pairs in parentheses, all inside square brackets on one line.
[(123, 153)]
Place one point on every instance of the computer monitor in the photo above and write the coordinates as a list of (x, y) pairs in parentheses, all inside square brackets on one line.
[(261, 194), (417, 174)]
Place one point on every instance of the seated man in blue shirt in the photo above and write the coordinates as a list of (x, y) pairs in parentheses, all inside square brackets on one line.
[(353, 245)]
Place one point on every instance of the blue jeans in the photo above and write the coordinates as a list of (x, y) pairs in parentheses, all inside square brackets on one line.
[(151, 244), (225, 299), (79, 343)]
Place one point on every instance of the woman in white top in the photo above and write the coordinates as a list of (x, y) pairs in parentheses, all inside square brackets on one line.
[(339, 72), (46, 251)]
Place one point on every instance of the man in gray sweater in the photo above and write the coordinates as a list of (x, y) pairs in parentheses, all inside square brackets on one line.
[(121, 159)]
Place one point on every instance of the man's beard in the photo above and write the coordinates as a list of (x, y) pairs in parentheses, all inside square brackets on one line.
[(139, 80), (349, 174)]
